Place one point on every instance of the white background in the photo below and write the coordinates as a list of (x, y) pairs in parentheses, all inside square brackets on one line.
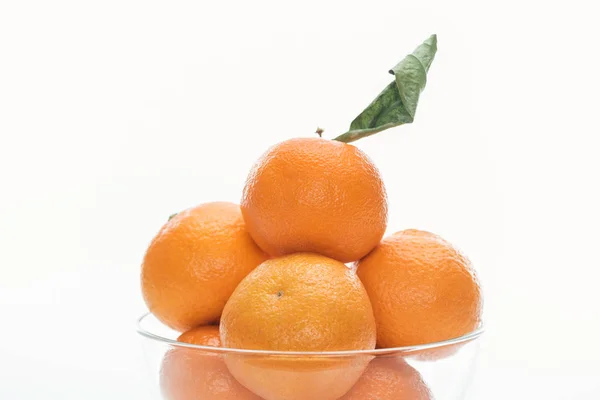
[(115, 114)]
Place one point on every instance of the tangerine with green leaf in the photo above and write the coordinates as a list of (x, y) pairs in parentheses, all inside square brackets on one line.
[(326, 196)]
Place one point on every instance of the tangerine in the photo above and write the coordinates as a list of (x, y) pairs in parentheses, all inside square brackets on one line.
[(315, 195), (422, 288), (300, 302), (195, 262), (192, 374)]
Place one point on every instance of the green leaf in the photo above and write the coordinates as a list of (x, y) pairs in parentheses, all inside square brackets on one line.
[(397, 103)]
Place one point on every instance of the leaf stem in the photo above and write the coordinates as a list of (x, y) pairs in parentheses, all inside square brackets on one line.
[(354, 135)]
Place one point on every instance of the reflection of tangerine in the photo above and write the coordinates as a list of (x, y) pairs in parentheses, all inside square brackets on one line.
[(191, 374), (422, 289), (195, 262), (389, 378), (315, 195), (297, 378), (299, 302)]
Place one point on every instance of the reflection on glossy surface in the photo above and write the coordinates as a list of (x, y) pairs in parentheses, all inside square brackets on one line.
[(389, 378), (190, 374), (297, 378), (182, 371)]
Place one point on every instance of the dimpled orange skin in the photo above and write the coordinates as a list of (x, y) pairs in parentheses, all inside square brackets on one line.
[(315, 195), (190, 374), (195, 262), (389, 378), (423, 290), (299, 302)]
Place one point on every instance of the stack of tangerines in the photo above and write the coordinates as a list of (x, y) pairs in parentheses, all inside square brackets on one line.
[(302, 265)]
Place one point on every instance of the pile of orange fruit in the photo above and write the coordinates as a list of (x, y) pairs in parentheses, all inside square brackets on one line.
[(302, 265)]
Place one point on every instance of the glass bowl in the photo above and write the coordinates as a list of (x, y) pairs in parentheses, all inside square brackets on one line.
[(181, 371)]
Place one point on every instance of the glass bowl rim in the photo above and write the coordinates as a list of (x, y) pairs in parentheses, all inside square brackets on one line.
[(471, 336)]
